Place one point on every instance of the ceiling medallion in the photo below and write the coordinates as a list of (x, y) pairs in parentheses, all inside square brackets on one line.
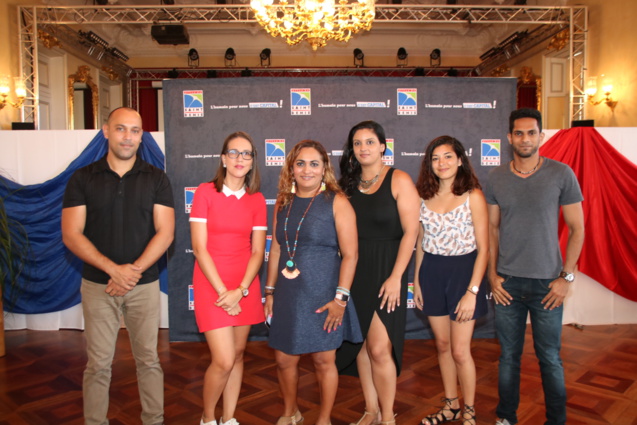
[(316, 21)]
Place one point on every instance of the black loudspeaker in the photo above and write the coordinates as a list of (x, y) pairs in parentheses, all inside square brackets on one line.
[(170, 34), (22, 126), (583, 123)]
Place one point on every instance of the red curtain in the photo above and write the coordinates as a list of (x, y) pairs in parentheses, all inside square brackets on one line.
[(609, 184)]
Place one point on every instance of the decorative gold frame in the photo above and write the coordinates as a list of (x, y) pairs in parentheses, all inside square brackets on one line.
[(83, 75), (527, 79)]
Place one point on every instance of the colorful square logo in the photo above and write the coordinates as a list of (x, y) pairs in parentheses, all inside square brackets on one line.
[(411, 303), (388, 157), (490, 152), (268, 244), (191, 297), (189, 193), (301, 101), (193, 103), (274, 152), (407, 103)]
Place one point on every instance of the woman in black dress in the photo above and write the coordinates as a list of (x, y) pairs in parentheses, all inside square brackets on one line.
[(387, 211)]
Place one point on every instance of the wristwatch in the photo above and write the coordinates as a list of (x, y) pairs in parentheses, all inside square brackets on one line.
[(473, 289), (569, 277), (244, 291)]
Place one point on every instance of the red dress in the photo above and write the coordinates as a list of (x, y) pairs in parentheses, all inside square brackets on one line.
[(230, 222)]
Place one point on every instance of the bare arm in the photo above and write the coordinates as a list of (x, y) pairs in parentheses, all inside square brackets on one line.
[(574, 219), (273, 265), (500, 295), (420, 254), (408, 202), (345, 221), (125, 276), (466, 307)]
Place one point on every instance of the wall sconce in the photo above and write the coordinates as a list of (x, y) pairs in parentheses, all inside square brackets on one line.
[(607, 88), (359, 58), (264, 56), (5, 89), (401, 57)]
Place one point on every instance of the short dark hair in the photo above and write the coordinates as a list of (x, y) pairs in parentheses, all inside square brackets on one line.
[(525, 113)]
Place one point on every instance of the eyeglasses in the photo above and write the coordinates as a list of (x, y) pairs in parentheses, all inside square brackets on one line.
[(234, 154)]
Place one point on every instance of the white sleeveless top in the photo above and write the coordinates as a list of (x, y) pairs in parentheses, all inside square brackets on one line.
[(451, 233)]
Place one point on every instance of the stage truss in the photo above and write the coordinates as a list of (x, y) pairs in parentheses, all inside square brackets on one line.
[(572, 18)]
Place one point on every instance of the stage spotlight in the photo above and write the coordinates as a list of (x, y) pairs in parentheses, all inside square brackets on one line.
[(211, 73), (173, 74), (435, 57), (359, 58), (193, 58), (401, 57), (419, 72), (168, 2), (246, 73), (230, 57), (453, 72), (264, 56), (101, 2)]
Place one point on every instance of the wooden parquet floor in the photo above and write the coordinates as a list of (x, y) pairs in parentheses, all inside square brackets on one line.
[(41, 380)]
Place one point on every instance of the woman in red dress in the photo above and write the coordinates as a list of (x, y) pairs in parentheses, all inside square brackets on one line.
[(228, 226)]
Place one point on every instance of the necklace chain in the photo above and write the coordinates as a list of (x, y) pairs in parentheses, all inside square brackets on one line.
[(526, 172), (285, 227), (367, 184)]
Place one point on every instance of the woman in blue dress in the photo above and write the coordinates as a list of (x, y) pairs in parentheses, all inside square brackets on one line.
[(311, 266)]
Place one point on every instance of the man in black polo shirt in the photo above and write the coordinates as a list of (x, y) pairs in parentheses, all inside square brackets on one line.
[(118, 217)]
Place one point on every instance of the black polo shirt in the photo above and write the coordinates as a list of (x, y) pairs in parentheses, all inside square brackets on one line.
[(119, 211)]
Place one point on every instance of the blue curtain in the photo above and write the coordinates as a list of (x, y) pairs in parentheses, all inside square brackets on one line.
[(51, 280)]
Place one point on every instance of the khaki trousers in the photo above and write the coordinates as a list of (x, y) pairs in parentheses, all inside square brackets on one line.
[(102, 315)]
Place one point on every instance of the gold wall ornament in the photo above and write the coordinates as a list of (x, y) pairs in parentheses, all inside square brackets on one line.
[(559, 40), (83, 75), (529, 87), (48, 40), (500, 71), (111, 73), (316, 21)]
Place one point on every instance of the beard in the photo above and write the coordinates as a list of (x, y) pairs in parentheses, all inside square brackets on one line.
[(526, 153)]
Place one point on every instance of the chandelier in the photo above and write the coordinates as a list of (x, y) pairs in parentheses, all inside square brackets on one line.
[(316, 21)]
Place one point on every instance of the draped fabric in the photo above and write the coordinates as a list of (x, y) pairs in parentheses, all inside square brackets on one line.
[(609, 184), (51, 280)]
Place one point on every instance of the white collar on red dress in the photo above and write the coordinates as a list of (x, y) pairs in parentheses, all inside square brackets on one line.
[(238, 193)]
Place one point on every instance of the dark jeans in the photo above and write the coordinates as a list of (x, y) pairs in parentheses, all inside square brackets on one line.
[(510, 322)]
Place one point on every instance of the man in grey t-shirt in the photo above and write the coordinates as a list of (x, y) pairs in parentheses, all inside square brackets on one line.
[(526, 271)]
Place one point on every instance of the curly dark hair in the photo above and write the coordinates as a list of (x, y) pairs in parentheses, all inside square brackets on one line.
[(253, 178), (525, 113), (350, 167), (286, 177), (428, 183)]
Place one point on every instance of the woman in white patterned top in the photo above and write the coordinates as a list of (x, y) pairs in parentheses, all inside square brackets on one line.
[(450, 266)]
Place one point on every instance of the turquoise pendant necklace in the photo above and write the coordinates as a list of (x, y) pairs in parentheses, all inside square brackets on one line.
[(290, 270)]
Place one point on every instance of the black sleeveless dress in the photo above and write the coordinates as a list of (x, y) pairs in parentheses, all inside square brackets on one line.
[(379, 236)]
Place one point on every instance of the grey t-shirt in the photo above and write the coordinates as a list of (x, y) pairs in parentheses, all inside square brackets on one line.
[(529, 212)]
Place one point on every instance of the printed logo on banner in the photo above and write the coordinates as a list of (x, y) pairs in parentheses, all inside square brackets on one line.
[(189, 192), (490, 152), (268, 244), (274, 152), (191, 297), (411, 303), (193, 103), (270, 201), (301, 101), (388, 158), (407, 101)]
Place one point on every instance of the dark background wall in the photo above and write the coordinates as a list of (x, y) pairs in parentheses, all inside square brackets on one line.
[(279, 112)]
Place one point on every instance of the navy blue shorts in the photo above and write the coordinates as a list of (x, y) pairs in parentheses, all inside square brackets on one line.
[(444, 281)]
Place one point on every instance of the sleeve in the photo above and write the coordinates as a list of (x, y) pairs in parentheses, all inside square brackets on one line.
[(74, 194), (200, 202), (164, 193), (571, 191), (260, 215)]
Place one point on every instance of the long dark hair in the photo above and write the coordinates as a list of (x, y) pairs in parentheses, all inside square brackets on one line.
[(428, 183), (253, 178), (350, 167), (286, 177)]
